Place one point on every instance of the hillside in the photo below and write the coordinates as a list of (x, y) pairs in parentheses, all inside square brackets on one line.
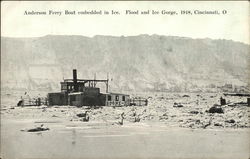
[(139, 63)]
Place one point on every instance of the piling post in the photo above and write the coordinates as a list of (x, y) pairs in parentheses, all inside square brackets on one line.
[(38, 101)]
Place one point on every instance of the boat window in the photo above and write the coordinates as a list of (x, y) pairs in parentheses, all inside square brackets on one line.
[(123, 98), (109, 97), (117, 98)]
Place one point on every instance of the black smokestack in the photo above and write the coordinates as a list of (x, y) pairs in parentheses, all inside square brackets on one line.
[(75, 80)]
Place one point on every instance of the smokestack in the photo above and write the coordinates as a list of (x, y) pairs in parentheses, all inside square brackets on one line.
[(75, 80)]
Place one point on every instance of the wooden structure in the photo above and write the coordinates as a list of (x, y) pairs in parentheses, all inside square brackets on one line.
[(86, 99), (79, 85), (117, 99), (32, 102), (60, 98), (83, 92), (138, 101)]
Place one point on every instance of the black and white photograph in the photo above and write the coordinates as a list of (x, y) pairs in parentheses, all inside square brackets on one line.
[(125, 80)]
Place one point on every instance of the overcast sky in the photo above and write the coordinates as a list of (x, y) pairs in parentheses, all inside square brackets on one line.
[(234, 25)]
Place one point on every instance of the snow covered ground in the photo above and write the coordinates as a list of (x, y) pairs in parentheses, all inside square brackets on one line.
[(160, 131)]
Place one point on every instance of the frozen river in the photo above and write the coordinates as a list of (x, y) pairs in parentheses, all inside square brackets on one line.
[(133, 140), (163, 131)]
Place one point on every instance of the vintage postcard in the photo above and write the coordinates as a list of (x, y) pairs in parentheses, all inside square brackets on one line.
[(127, 79)]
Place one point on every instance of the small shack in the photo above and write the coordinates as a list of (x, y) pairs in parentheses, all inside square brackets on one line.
[(117, 99)]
